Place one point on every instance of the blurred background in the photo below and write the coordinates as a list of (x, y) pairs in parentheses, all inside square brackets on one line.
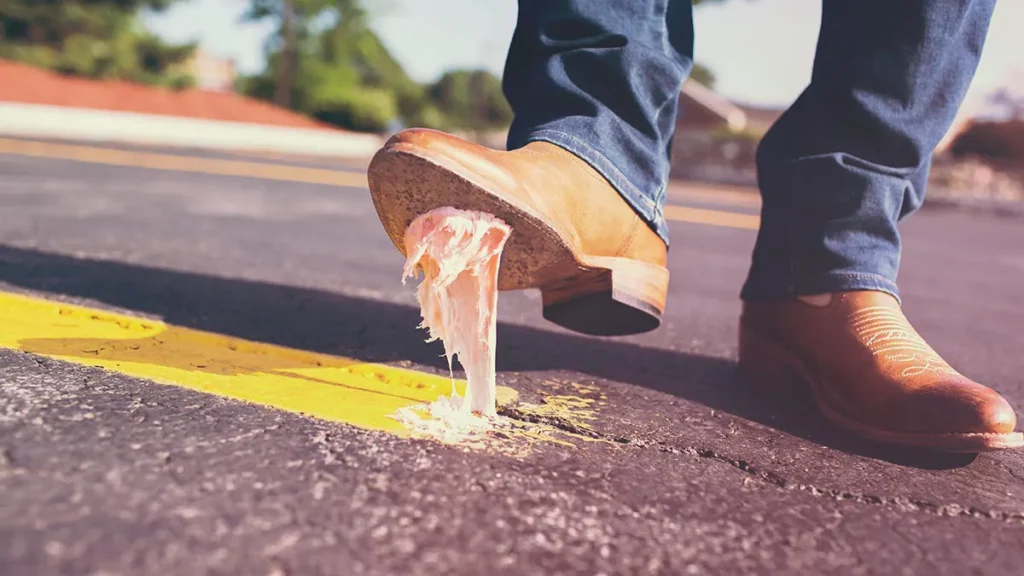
[(376, 66)]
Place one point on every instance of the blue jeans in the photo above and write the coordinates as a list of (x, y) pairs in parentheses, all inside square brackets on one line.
[(837, 172)]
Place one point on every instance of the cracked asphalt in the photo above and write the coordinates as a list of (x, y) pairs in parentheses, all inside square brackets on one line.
[(682, 470)]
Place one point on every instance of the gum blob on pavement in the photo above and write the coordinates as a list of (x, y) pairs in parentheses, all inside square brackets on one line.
[(458, 253)]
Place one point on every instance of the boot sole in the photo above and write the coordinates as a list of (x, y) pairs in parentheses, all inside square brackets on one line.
[(601, 296), (766, 363)]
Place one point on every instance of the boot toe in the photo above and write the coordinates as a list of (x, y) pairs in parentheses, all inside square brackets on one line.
[(962, 407)]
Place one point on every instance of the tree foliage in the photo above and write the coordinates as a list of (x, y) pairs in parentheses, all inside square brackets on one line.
[(328, 63), (324, 60), (703, 74), (471, 99), (91, 38)]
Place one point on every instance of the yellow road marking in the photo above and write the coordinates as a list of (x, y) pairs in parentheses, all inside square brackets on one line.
[(315, 175), (320, 385), (713, 217), (180, 163), (727, 195)]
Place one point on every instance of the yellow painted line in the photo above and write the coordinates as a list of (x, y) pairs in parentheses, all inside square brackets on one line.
[(306, 175), (731, 196), (321, 385), (181, 163), (712, 217)]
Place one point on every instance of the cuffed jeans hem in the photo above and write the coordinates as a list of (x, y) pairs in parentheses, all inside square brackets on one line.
[(652, 212), (755, 291)]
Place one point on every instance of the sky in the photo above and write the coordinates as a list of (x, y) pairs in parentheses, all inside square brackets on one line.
[(760, 50)]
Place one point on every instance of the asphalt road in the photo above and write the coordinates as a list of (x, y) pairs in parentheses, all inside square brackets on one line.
[(684, 469)]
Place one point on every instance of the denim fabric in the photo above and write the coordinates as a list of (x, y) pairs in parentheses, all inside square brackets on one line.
[(837, 172), (850, 158), (601, 78)]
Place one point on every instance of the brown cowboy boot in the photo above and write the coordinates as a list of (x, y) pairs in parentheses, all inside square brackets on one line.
[(872, 373), (599, 266)]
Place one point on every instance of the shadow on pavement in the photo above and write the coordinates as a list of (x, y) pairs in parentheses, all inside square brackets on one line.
[(377, 331)]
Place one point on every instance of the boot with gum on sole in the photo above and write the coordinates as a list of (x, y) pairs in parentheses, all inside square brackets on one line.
[(600, 268)]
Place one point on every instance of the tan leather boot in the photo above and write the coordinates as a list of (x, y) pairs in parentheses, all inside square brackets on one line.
[(872, 373), (600, 267)]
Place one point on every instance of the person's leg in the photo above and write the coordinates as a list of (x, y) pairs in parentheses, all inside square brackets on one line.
[(837, 172), (850, 158), (594, 85), (601, 78)]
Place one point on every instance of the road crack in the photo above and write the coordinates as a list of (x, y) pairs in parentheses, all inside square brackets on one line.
[(900, 503), (559, 423), (897, 503)]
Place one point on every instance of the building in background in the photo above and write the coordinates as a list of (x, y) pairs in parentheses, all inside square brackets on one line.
[(716, 139), (701, 108), (212, 73)]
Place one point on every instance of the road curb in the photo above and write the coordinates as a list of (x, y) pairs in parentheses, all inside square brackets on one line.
[(66, 123)]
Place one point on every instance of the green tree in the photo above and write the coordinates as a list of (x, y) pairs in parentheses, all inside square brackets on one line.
[(325, 60), (703, 74), (471, 99), (92, 38), (333, 66), (294, 21)]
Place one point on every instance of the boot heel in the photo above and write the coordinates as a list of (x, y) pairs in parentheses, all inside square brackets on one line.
[(767, 366), (612, 297)]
